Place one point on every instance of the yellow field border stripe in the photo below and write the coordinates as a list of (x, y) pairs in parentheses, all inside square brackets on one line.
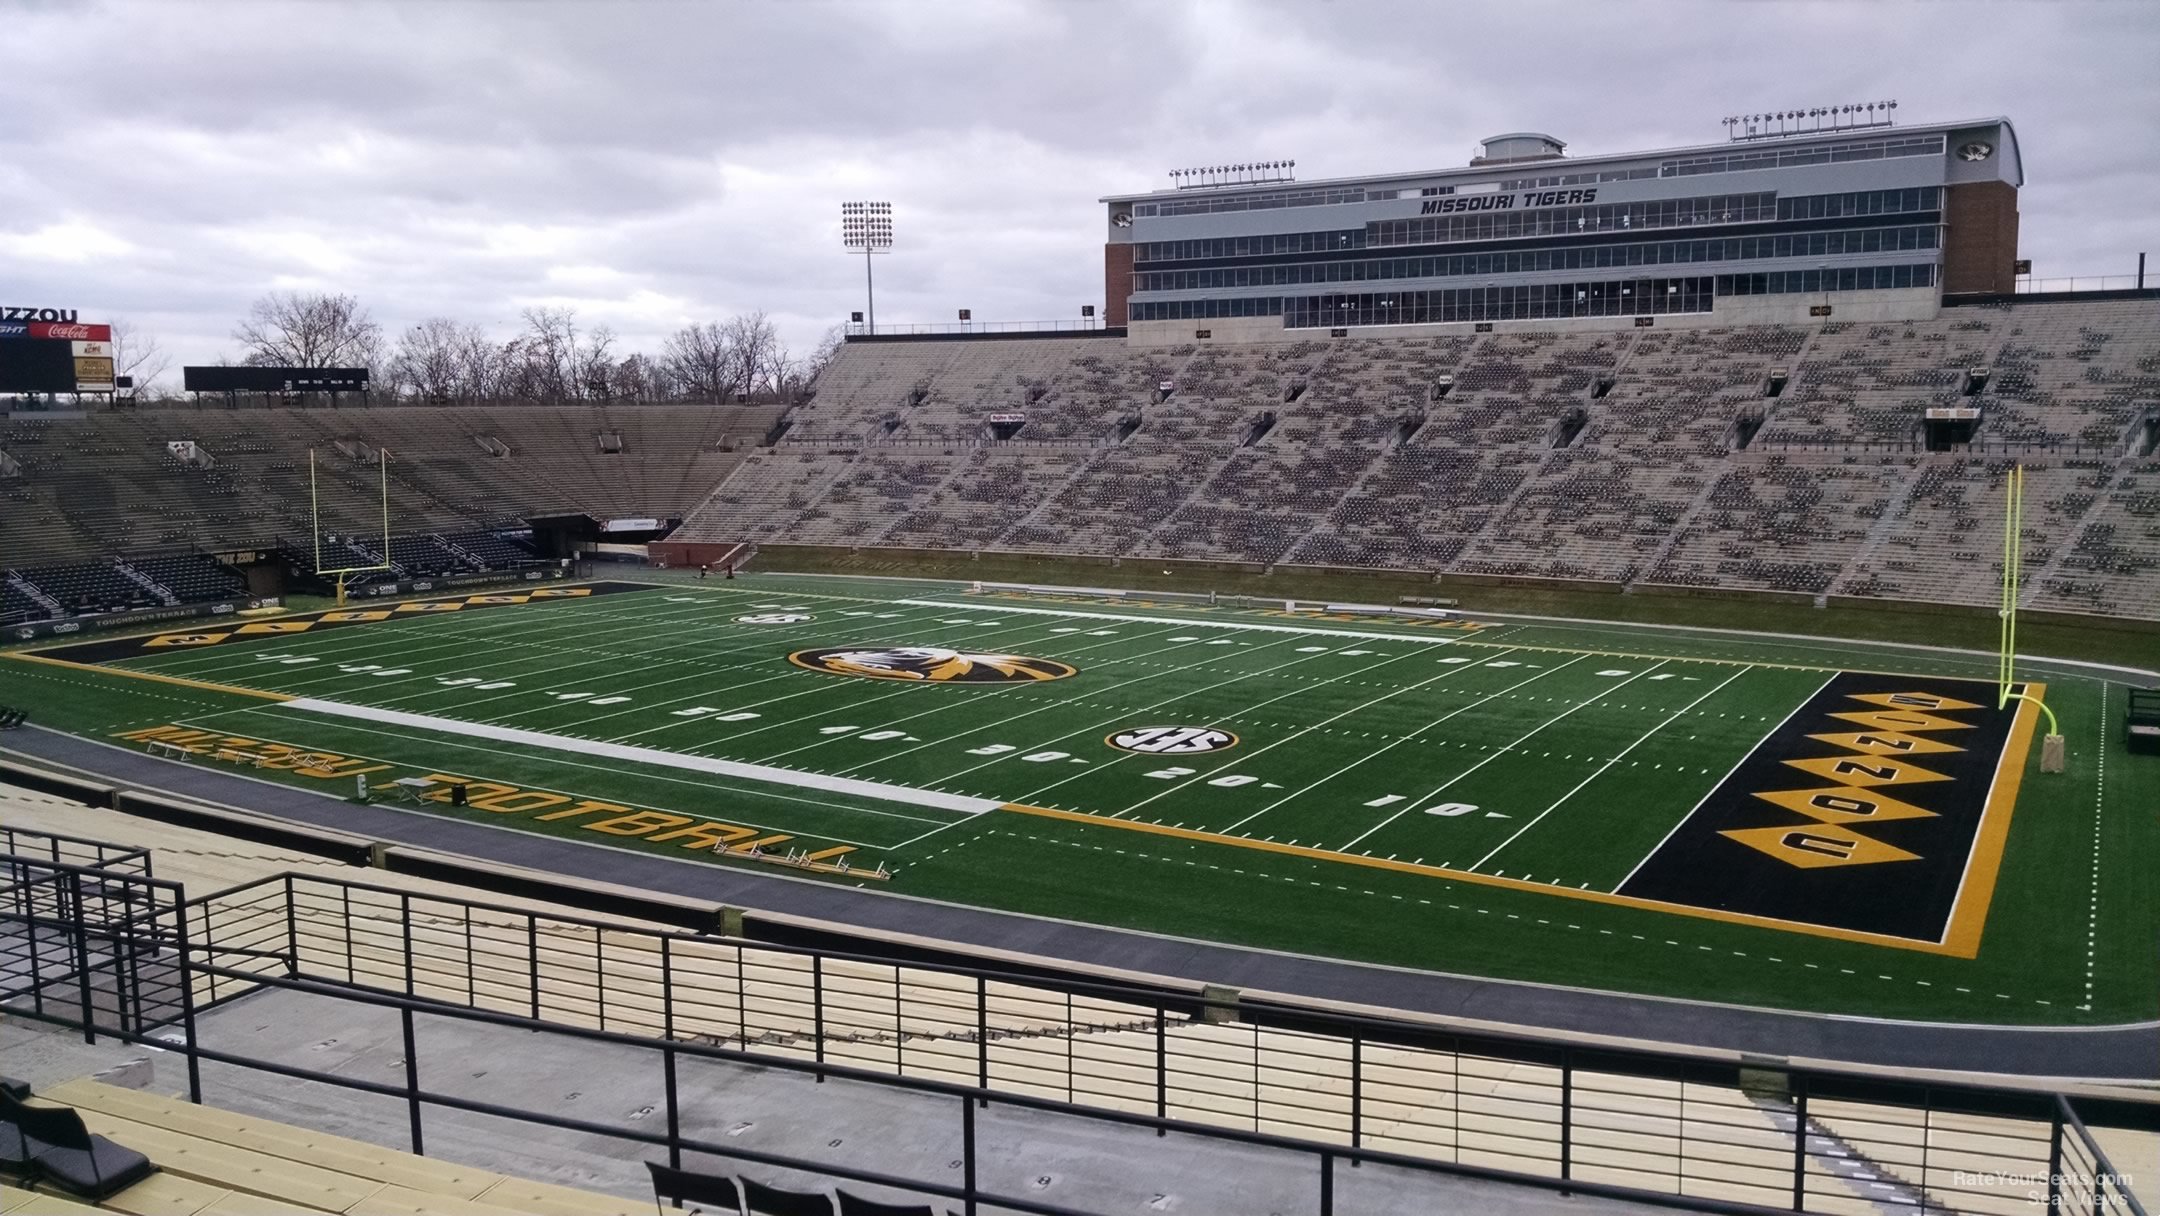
[(1968, 917), (1489, 880), (101, 669)]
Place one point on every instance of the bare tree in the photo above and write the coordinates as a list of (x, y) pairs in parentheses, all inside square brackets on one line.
[(137, 354), (482, 366), (592, 363), (428, 361), (799, 376), (755, 353), (698, 360), (288, 329), (637, 377)]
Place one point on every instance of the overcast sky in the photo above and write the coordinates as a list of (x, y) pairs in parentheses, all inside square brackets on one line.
[(652, 164)]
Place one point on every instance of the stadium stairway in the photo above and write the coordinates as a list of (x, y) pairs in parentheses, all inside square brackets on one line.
[(216, 1162)]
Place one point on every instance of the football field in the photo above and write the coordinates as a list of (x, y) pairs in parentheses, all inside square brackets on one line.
[(1784, 822)]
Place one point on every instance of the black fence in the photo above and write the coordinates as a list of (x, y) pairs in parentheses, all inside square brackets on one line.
[(1330, 1090)]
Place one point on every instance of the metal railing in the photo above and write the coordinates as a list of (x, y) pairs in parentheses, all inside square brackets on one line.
[(88, 945), (73, 850), (1202, 1062), (2092, 282), (856, 329)]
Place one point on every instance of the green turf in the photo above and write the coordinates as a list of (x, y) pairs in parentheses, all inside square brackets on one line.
[(1576, 747)]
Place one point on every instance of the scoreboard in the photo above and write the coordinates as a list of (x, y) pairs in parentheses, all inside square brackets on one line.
[(48, 350)]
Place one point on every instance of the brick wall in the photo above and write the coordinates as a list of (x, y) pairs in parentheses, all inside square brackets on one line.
[(1980, 243), (1117, 282)]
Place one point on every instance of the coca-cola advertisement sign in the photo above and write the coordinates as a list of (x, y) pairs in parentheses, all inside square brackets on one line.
[(71, 330)]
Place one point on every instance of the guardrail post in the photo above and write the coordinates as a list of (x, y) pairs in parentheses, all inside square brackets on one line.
[(412, 1080), (599, 969), (1799, 1143), (967, 1155), (72, 898), (817, 1008), (1567, 1115), (674, 1108), (2055, 1146), (187, 1001), (292, 934), (1162, 1067), (28, 910), (1357, 1096), (667, 989), (346, 891), (1327, 1183), (405, 923), (982, 1035), (532, 960)]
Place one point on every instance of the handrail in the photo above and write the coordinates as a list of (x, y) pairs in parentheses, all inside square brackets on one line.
[(967, 1094), (1258, 1011), (2105, 1175), (1553, 1117)]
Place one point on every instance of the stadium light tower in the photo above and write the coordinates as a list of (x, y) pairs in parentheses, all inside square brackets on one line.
[(867, 227)]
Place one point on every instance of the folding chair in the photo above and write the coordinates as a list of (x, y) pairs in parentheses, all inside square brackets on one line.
[(62, 1150), (855, 1205), (762, 1200), (684, 1186)]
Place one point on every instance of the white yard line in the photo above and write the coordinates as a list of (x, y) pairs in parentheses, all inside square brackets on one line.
[(1402, 739), (1099, 722), (1413, 804), (783, 671), (1199, 623), (1507, 749), (971, 699), (1602, 768), (543, 741), (1802, 704), (1220, 717), (402, 648), (1124, 714), (701, 786), (426, 630), (1242, 761)]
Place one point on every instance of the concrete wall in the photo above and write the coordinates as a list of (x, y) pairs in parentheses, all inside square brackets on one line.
[(1905, 304)]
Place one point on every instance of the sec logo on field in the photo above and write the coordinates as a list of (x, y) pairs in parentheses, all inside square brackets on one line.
[(773, 618), (1172, 740)]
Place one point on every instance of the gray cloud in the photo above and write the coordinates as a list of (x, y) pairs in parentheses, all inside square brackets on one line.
[(656, 163)]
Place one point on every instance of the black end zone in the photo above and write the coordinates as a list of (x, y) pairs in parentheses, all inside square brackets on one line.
[(234, 630), (1859, 813)]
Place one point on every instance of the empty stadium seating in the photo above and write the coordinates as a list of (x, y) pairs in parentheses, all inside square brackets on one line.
[(104, 483), (1793, 459), (1774, 458)]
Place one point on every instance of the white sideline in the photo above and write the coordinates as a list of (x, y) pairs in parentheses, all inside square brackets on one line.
[(1195, 622), (647, 755)]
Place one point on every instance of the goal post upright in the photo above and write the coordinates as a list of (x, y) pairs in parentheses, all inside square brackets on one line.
[(382, 460), (2013, 568)]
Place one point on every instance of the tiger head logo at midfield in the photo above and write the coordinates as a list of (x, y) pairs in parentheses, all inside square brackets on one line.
[(930, 664)]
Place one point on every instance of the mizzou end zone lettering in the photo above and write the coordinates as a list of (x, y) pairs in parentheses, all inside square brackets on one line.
[(1862, 812), (497, 798), (113, 650)]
